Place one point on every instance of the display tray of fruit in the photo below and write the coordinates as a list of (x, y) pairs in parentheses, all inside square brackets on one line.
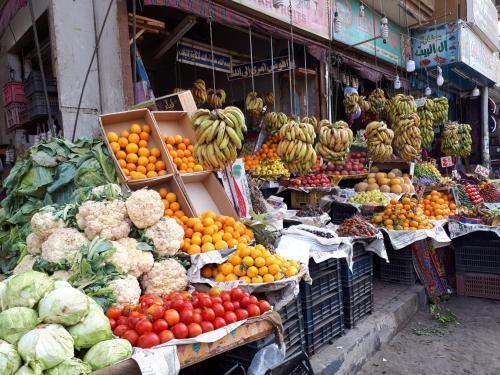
[(405, 214), (374, 197), (309, 182), (181, 151), (356, 226), (489, 192), (438, 205), (393, 182), (270, 170), (354, 166)]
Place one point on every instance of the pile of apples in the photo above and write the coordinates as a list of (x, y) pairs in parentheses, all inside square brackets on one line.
[(353, 165), (311, 180)]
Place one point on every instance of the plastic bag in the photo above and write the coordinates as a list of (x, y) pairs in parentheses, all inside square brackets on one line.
[(265, 359)]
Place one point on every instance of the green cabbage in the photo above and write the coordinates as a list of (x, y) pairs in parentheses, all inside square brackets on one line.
[(107, 353), (93, 329), (24, 370), (45, 347), (9, 359), (15, 322), (27, 288), (73, 366), (66, 306)]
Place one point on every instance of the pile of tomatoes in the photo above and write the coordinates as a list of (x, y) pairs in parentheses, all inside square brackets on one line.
[(179, 315)]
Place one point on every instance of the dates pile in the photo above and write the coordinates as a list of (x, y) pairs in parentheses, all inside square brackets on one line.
[(356, 226), (490, 193)]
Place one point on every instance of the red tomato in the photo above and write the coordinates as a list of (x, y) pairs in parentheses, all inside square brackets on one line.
[(254, 300), (264, 306), (158, 300), (253, 310), (180, 331), (194, 330), (196, 318), (245, 294), (177, 304), (131, 336), (187, 306), (219, 322), (216, 300), (120, 330), (230, 317), (127, 309), (143, 326), (172, 317), (134, 314), (159, 325), (187, 316), (228, 306), (147, 296), (218, 309), (207, 326), (236, 294), (241, 314), (205, 302), (114, 312), (236, 304), (225, 296), (195, 302), (133, 321), (186, 295), (155, 311), (147, 302), (245, 301), (148, 340), (197, 310), (208, 314), (166, 304), (122, 320), (166, 336), (112, 323)]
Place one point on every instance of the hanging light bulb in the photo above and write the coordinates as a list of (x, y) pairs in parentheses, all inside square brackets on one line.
[(336, 23), (384, 27), (440, 79), (475, 92), (410, 66), (361, 10), (397, 83), (428, 91)]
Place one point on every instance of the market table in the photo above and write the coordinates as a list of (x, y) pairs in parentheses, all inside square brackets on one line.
[(190, 354)]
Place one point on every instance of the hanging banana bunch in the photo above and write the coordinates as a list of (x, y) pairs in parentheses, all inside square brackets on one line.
[(321, 124), (464, 140), (407, 137), (450, 140), (351, 103), (216, 98), (254, 105), (440, 110), (364, 104), (400, 105), (310, 120), (378, 102), (274, 121), (199, 92), (425, 113), (379, 140), (296, 147), (219, 136), (335, 141), (268, 99)]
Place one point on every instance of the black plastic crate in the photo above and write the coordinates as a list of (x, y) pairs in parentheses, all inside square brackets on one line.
[(477, 238), (321, 309), (34, 84), (323, 283), (405, 252), (362, 265), (325, 332), (315, 268), (37, 106), (356, 290), (296, 365), (361, 307), (479, 259), (400, 271), (291, 310), (358, 249)]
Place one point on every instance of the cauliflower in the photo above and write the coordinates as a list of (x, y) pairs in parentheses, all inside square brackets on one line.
[(107, 192), (64, 243), (141, 261), (61, 275), (145, 208), (107, 219), (127, 290), (44, 223), (26, 264), (166, 236), (34, 244), (165, 276)]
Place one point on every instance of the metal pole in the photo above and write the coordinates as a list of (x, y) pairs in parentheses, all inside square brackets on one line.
[(134, 47), (485, 136)]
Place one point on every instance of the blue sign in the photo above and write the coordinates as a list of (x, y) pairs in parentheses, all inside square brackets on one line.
[(200, 56), (436, 45), (260, 68)]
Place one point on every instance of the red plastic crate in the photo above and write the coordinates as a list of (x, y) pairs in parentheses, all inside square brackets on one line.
[(14, 114), (13, 92), (483, 285)]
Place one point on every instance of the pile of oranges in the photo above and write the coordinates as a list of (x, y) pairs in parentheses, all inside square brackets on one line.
[(268, 151), (252, 264), (407, 214), (438, 205), (172, 207), (181, 151), (213, 232), (134, 156)]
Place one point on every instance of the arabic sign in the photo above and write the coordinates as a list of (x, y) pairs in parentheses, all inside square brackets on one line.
[(482, 15), (202, 57), (446, 161), (435, 45), (356, 29), (482, 171), (260, 68), (169, 103), (477, 55)]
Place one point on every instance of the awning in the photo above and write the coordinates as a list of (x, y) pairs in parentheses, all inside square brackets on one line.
[(226, 16), (8, 11)]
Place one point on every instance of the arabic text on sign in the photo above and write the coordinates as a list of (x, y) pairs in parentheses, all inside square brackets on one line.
[(446, 161)]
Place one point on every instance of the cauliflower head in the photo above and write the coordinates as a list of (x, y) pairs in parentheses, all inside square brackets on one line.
[(106, 219), (26, 264), (127, 290), (165, 276), (34, 244), (64, 243), (145, 208), (44, 223), (166, 236), (140, 261)]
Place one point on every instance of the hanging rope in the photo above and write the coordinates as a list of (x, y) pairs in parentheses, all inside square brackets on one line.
[(251, 56), (211, 44), (306, 101), (272, 73), (290, 79), (292, 54), (329, 62)]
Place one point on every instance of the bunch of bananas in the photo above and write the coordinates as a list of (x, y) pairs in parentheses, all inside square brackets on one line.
[(379, 140), (364, 104), (199, 92), (407, 137), (464, 140), (335, 140), (216, 98), (400, 105), (296, 147), (274, 121), (268, 99), (425, 113), (219, 135), (311, 120), (378, 102), (351, 103), (440, 110), (450, 139), (254, 105)]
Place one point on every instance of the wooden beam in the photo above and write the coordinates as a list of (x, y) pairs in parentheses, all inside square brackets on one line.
[(170, 40)]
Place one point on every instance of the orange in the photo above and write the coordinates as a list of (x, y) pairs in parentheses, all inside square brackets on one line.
[(131, 148), (208, 221), (243, 251), (177, 161), (170, 147), (263, 270), (268, 278), (122, 163), (132, 158), (291, 271), (146, 128), (206, 272), (231, 277), (131, 166), (247, 261), (198, 227), (179, 214), (115, 147), (169, 140), (186, 141), (196, 240), (171, 197), (207, 247), (232, 243), (151, 174), (274, 269), (256, 253), (198, 168), (257, 279), (230, 221), (208, 230), (155, 152), (216, 237), (260, 262), (227, 236), (126, 172), (169, 212), (144, 136), (152, 159), (143, 151), (206, 238), (252, 271), (124, 134), (150, 167), (162, 173), (133, 138), (220, 245), (178, 139), (226, 268), (220, 278), (135, 128), (160, 165), (143, 143), (191, 222), (235, 260), (142, 160), (163, 192), (165, 204), (112, 137), (175, 206), (123, 142), (141, 169)]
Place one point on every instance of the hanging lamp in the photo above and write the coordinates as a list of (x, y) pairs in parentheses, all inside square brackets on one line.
[(384, 27), (337, 25), (361, 10), (428, 91), (397, 83), (475, 92), (440, 78)]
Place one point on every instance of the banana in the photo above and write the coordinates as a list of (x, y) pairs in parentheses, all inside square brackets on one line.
[(378, 102), (199, 92), (379, 141)]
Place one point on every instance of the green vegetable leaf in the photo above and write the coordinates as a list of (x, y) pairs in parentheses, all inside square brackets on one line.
[(43, 265)]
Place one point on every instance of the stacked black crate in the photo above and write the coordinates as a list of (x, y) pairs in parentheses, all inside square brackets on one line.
[(357, 286), (35, 96), (322, 305), (399, 269)]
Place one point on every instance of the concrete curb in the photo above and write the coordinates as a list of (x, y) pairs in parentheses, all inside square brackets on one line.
[(348, 353)]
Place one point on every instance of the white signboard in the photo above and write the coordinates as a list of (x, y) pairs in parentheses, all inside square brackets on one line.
[(477, 55), (482, 15)]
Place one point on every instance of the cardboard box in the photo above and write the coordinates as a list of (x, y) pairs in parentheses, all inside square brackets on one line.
[(120, 121), (205, 192), (180, 101)]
